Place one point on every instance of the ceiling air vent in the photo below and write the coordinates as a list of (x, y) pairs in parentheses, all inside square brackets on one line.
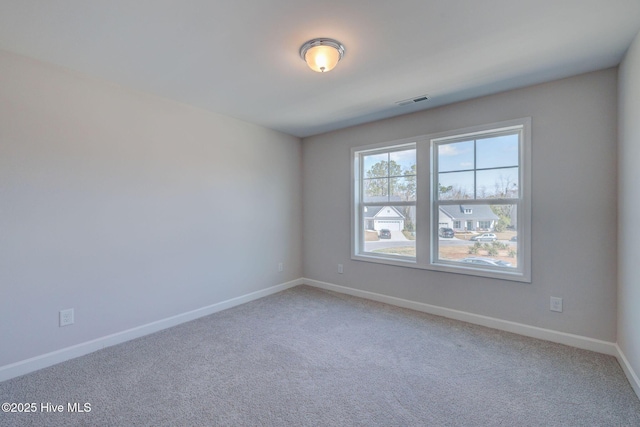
[(415, 100)]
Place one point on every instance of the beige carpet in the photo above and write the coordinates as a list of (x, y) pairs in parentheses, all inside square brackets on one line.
[(307, 357)]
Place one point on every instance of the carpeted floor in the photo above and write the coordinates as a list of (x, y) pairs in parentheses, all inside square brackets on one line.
[(308, 357)]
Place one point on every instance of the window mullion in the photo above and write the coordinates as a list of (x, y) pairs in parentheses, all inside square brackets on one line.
[(475, 170)]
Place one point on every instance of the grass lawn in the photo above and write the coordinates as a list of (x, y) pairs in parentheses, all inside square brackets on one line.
[(371, 236), (401, 250)]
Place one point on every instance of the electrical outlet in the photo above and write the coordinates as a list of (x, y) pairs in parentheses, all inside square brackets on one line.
[(280, 267), (340, 269), (66, 317), (556, 304)]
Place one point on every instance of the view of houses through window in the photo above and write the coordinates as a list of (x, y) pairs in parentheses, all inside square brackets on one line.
[(389, 202), (483, 232), (471, 186), (475, 176), (479, 231)]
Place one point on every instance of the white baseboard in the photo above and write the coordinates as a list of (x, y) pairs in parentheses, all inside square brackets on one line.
[(491, 322), (628, 371), (35, 363)]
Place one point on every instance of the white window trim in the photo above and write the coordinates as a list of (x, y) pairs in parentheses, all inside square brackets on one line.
[(424, 207)]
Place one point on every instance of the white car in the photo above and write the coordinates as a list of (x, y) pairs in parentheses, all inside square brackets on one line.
[(486, 237)]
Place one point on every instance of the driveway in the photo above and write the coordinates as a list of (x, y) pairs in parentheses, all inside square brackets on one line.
[(397, 235)]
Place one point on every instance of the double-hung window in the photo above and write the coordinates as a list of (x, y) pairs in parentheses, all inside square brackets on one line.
[(386, 205), (457, 202)]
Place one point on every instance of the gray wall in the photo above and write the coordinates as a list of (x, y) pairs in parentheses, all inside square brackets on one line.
[(629, 207), (574, 124), (131, 208)]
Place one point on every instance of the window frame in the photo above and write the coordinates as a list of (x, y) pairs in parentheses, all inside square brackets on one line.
[(426, 220), (357, 220)]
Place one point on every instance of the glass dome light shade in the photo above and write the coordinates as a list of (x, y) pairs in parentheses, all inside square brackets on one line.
[(322, 58), (322, 55)]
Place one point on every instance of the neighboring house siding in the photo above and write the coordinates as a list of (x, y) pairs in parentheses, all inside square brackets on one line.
[(386, 217), (445, 220), (467, 218)]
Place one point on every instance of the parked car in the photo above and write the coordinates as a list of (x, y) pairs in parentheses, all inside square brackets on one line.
[(486, 261), (486, 237), (446, 232), (384, 233)]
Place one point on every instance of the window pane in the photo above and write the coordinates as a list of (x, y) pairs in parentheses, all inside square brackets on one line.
[(405, 160), (389, 230), (455, 156), (497, 183), (375, 190), (403, 189), (455, 185), (376, 165), (486, 237), (497, 152)]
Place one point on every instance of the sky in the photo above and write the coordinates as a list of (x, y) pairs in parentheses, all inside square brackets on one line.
[(488, 160), (483, 161), (405, 158)]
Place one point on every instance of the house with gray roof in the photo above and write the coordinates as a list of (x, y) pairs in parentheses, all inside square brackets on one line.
[(467, 217), (456, 217), (378, 218), (387, 215)]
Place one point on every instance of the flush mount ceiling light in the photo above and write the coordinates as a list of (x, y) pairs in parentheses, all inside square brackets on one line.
[(322, 54)]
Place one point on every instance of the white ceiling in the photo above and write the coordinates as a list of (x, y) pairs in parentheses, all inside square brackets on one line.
[(240, 58)]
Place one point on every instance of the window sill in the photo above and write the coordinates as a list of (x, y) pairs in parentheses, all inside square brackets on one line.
[(514, 276), (377, 259)]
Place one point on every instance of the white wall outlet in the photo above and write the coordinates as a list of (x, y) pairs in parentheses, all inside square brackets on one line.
[(280, 267), (556, 304), (66, 317), (340, 269)]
